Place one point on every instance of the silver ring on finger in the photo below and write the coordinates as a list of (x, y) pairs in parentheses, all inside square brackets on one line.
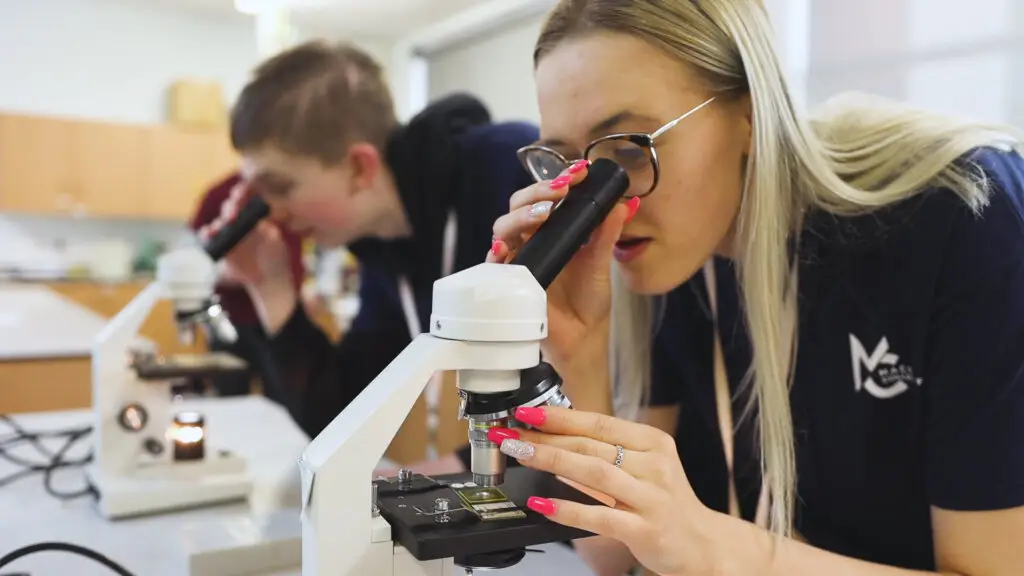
[(620, 453)]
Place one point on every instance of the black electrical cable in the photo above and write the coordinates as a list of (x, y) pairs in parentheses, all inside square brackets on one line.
[(56, 460), (23, 435), (65, 547), (73, 436)]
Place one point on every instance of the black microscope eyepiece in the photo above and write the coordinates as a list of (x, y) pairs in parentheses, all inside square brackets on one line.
[(254, 210), (570, 225)]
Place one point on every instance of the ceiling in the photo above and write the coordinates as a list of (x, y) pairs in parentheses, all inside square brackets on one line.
[(380, 19)]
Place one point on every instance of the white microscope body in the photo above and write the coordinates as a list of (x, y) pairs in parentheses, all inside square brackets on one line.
[(137, 468), (487, 323)]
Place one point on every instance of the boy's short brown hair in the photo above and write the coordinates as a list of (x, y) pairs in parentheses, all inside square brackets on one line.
[(314, 100)]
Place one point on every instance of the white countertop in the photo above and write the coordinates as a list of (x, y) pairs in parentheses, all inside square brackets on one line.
[(37, 323), (158, 545)]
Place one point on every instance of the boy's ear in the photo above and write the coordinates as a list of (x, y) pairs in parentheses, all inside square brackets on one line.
[(366, 162)]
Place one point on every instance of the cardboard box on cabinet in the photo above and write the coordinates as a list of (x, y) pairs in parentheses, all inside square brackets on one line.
[(197, 105)]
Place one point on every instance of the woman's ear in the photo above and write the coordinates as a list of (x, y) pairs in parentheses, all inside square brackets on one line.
[(366, 163)]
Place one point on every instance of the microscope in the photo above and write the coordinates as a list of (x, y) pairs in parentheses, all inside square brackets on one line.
[(147, 458), (487, 324)]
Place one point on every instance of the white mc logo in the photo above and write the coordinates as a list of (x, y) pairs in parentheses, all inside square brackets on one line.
[(892, 378)]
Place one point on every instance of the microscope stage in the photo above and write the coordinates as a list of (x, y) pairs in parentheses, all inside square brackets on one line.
[(465, 534), (205, 365)]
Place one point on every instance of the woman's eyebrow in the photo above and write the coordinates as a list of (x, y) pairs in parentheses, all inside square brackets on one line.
[(549, 142)]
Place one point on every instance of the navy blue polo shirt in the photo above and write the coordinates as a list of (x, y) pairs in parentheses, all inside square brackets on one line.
[(909, 380)]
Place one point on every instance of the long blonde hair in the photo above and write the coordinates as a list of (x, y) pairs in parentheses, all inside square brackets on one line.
[(860, 154)]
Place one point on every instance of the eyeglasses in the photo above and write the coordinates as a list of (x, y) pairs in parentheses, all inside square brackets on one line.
[(634, 151)]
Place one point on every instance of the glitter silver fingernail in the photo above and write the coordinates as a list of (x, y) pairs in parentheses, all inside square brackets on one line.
[(517, 449), (540, 208)]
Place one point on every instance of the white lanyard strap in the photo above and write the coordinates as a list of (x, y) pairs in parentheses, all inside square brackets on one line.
[(412, 317), (723, 404), (412, 320)]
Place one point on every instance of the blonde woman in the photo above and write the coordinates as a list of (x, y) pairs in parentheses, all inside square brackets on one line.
[(840, 311)]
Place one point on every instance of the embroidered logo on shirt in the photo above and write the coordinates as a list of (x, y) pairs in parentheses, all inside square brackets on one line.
[(880, 373)]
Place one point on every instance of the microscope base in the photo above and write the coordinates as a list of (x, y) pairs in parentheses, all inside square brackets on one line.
[(171, 486), (465, 537)]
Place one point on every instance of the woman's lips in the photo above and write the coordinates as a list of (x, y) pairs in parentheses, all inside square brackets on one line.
[(628, 249)]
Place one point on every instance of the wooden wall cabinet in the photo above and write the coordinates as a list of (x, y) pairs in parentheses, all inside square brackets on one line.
[(106, 162), (35, 176), (54, 166)]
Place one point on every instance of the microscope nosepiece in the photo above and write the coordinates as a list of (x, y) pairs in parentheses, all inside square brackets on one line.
[(539, 386), (219, 322), (209, 314)]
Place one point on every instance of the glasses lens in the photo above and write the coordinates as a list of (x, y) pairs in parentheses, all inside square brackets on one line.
[(633, 158), (543, 164)]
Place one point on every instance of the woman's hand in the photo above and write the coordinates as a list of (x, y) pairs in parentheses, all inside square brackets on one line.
[(655, 512), (260, 256), (580, 298)]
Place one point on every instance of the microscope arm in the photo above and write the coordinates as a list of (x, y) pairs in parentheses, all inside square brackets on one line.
[(338, 464), (120, 333)]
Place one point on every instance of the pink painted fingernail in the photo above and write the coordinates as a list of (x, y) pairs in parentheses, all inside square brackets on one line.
[(531, 415), (561, 182), (499, 435), (633, 204), (496, 246), (579, 166), (540, 505)]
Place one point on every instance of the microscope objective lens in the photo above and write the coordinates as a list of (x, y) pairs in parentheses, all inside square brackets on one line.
[(487, 463)]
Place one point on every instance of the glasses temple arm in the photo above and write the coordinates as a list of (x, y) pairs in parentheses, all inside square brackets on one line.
[(673, 123)]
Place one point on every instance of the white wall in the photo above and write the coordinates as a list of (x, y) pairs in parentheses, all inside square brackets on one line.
[(945, 55), (497, 65), (955, 57), (113, 59), (497, 68)]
